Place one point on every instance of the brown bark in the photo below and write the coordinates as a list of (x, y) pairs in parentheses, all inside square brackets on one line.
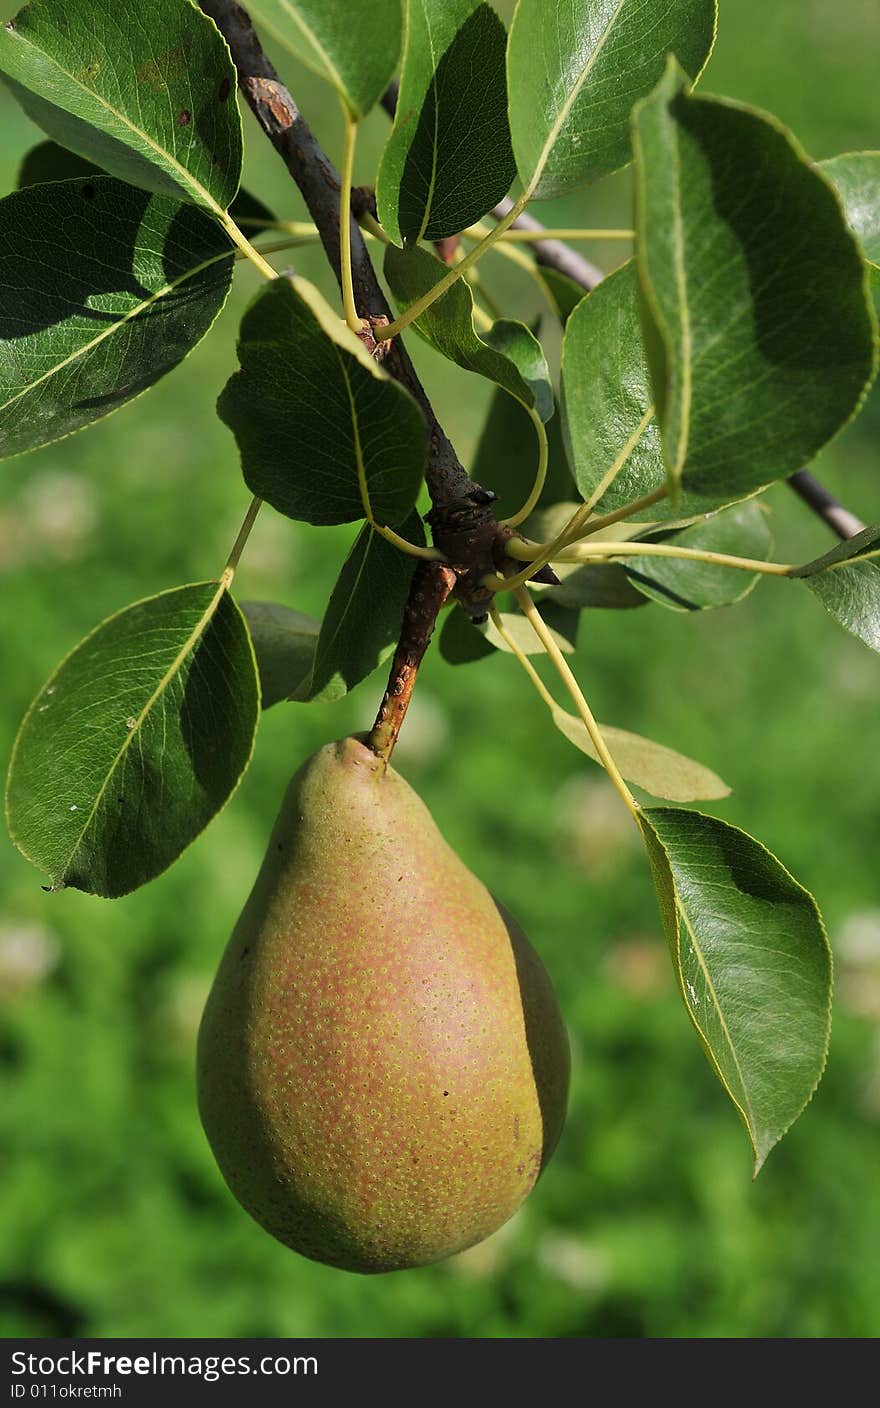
[(463, 525), (431, 586)]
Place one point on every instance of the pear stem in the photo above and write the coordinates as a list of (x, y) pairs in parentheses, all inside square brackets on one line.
[(429, 590)]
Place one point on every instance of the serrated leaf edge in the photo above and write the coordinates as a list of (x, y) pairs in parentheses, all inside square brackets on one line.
[(613, 734), (557, 127), (760, 1154), (111, 331), (801, 155), (223, 583), (190, 182)]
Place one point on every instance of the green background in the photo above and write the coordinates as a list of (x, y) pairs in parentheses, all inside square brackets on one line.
[(114, 1218)]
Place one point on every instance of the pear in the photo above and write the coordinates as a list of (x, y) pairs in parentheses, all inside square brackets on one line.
[(382, 1065)]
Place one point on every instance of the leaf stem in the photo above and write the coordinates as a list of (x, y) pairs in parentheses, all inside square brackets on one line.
[(540, 474), (241, 240), (605, 520), (241, 538), (296, 228), (560, 664), (371, 226), (522, 236), (422, 304), (480, 291), (547, 552), (613, 471), (518, 257), (355, 322), (543, 691), (411, 549), (478, 233), (278, 246), (591, 551)]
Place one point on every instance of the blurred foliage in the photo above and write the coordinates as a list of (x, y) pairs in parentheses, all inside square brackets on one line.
[(114, 1219)]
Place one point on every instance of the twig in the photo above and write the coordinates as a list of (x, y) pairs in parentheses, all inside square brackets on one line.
[(839, 519), (317, 178), (431, 587), (464, 527)]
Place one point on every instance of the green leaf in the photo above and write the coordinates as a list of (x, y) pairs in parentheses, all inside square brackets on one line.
[(49, 162), (136, 742), (250, 213), (564, 292), (847, 582), (152, 103), (363, 619), (760, 333), (864, 544), (753, 964), (575, 68), (106, 289), (607, 404), (509, 354), (682, 585), (606, 397), (506, 458), (352, 44), (602, 585), (659, 770), (463, 640), (448, 159), (284, 644), (856, 176), (319, 424)]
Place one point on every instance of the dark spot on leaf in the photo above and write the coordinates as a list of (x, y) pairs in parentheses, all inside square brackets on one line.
[(87, 191), (184, 118), (225, 88), (445, 1093), (245, 951)]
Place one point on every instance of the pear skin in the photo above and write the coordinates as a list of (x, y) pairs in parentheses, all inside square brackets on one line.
[(382, 1066)]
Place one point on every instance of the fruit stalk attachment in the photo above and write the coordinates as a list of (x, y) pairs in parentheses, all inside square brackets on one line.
[(431, 586)]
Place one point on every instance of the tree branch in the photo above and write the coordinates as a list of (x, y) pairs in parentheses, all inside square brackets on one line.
[(317, 178), (838, 518), (431, 586), (462, 521)]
